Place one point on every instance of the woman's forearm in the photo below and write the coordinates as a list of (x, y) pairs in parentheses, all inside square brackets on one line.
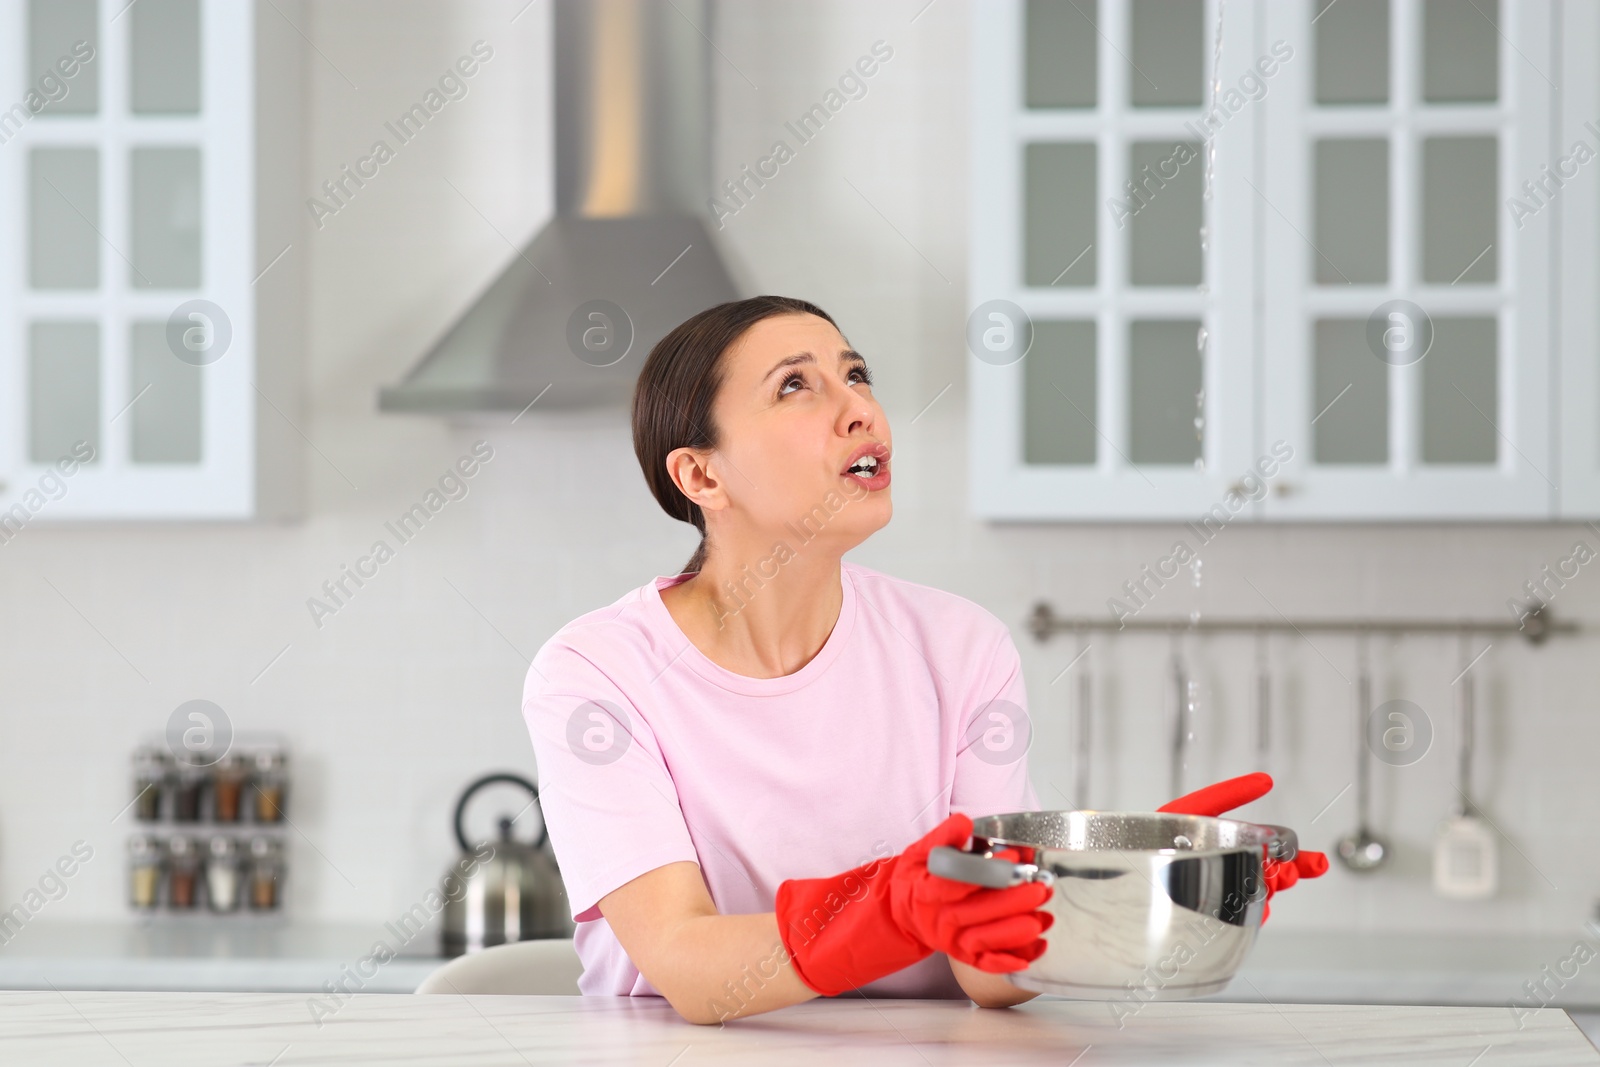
[(712, 968), (728, 966)]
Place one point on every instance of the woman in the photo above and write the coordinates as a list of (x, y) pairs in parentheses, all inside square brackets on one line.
[(713, 742)]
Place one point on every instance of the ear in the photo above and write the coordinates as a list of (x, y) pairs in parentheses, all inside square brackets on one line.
[(690, 470)]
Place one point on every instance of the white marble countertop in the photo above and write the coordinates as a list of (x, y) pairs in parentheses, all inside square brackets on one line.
[(88, 1029), (1414, 968), (225, 955), (1285, 966)]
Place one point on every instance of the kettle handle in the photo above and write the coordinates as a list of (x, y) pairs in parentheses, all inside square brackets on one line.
[(490, 779)]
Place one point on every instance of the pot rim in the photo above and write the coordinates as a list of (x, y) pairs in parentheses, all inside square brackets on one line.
[(1280, 842)]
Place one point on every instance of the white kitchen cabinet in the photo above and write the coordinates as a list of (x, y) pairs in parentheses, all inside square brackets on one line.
[(1576, 225), (150, 260), (1391, 165), (1098, 419), (1359, 149)]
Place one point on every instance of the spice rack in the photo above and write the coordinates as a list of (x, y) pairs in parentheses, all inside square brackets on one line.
[(209, 839)]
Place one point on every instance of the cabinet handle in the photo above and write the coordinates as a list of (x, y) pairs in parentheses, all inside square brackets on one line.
[(1281, 488)]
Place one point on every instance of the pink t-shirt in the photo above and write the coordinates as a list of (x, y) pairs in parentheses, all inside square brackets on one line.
[(650, 753)]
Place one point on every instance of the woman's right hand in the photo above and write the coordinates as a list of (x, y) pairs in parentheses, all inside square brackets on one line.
[(844, 931), (994, 930)]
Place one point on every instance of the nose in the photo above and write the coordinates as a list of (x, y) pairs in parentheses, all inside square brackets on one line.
[(856, 412)]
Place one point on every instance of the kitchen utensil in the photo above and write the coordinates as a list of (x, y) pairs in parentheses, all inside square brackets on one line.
[(502, 891), (1147, 905), (1180, 718), (1465, 856), (1263, 702), (1085, 721), (1362, 850)]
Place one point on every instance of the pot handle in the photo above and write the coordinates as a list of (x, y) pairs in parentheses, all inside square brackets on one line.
[(959, 866), (1285, 843)]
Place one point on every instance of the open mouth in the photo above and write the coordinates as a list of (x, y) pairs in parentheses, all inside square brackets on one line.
[(870, 466)]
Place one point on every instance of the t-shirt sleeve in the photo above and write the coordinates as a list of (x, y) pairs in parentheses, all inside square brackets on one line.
[(991, 774), (604, 788)]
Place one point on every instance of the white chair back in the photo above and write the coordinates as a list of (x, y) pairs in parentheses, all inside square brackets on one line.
[(537, 968)]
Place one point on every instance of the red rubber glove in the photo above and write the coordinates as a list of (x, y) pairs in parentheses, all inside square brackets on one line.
[(853, 928), (1215, 799)]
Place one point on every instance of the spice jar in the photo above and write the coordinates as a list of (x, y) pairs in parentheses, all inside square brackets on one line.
[(186, 789), (152, 770), (222, 874), (144, 871), (270, 779), (266, 866), (227, 788), (183, 872)]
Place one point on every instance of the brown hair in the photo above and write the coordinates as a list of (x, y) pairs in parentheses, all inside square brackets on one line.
[(677, 385)]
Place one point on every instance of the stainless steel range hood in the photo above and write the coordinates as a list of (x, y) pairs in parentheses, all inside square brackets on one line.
[(626, 256)]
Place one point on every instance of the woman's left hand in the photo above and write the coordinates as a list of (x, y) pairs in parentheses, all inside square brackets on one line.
[(1215, 799)]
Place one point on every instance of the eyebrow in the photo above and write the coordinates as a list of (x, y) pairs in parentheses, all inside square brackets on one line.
[(848, 355)]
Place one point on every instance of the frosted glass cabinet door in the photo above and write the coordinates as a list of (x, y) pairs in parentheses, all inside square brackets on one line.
[(1408, 321), (130, 201), (1090, 122)]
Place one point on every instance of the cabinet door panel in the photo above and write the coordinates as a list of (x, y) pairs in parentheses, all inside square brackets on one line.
[(1086, 222), (131, 202), (63, 389), (1413, 381), (1350, 398)]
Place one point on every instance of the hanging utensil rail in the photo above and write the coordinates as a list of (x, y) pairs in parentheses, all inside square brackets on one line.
[(1535, 627)]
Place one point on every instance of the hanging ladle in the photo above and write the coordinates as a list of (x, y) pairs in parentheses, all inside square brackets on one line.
[(1362, 850)]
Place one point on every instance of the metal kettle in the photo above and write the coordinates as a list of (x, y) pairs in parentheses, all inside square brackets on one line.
[(505, 890)]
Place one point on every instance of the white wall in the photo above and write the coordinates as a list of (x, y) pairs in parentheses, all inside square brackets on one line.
[(412, 689)]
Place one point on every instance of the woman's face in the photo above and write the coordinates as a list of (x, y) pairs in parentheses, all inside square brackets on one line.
[(803, 445)]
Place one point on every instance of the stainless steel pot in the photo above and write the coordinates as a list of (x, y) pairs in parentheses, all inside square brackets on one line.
[(1147, 905)]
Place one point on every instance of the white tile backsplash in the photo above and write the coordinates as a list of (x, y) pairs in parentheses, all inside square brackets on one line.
[(411, 689)]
